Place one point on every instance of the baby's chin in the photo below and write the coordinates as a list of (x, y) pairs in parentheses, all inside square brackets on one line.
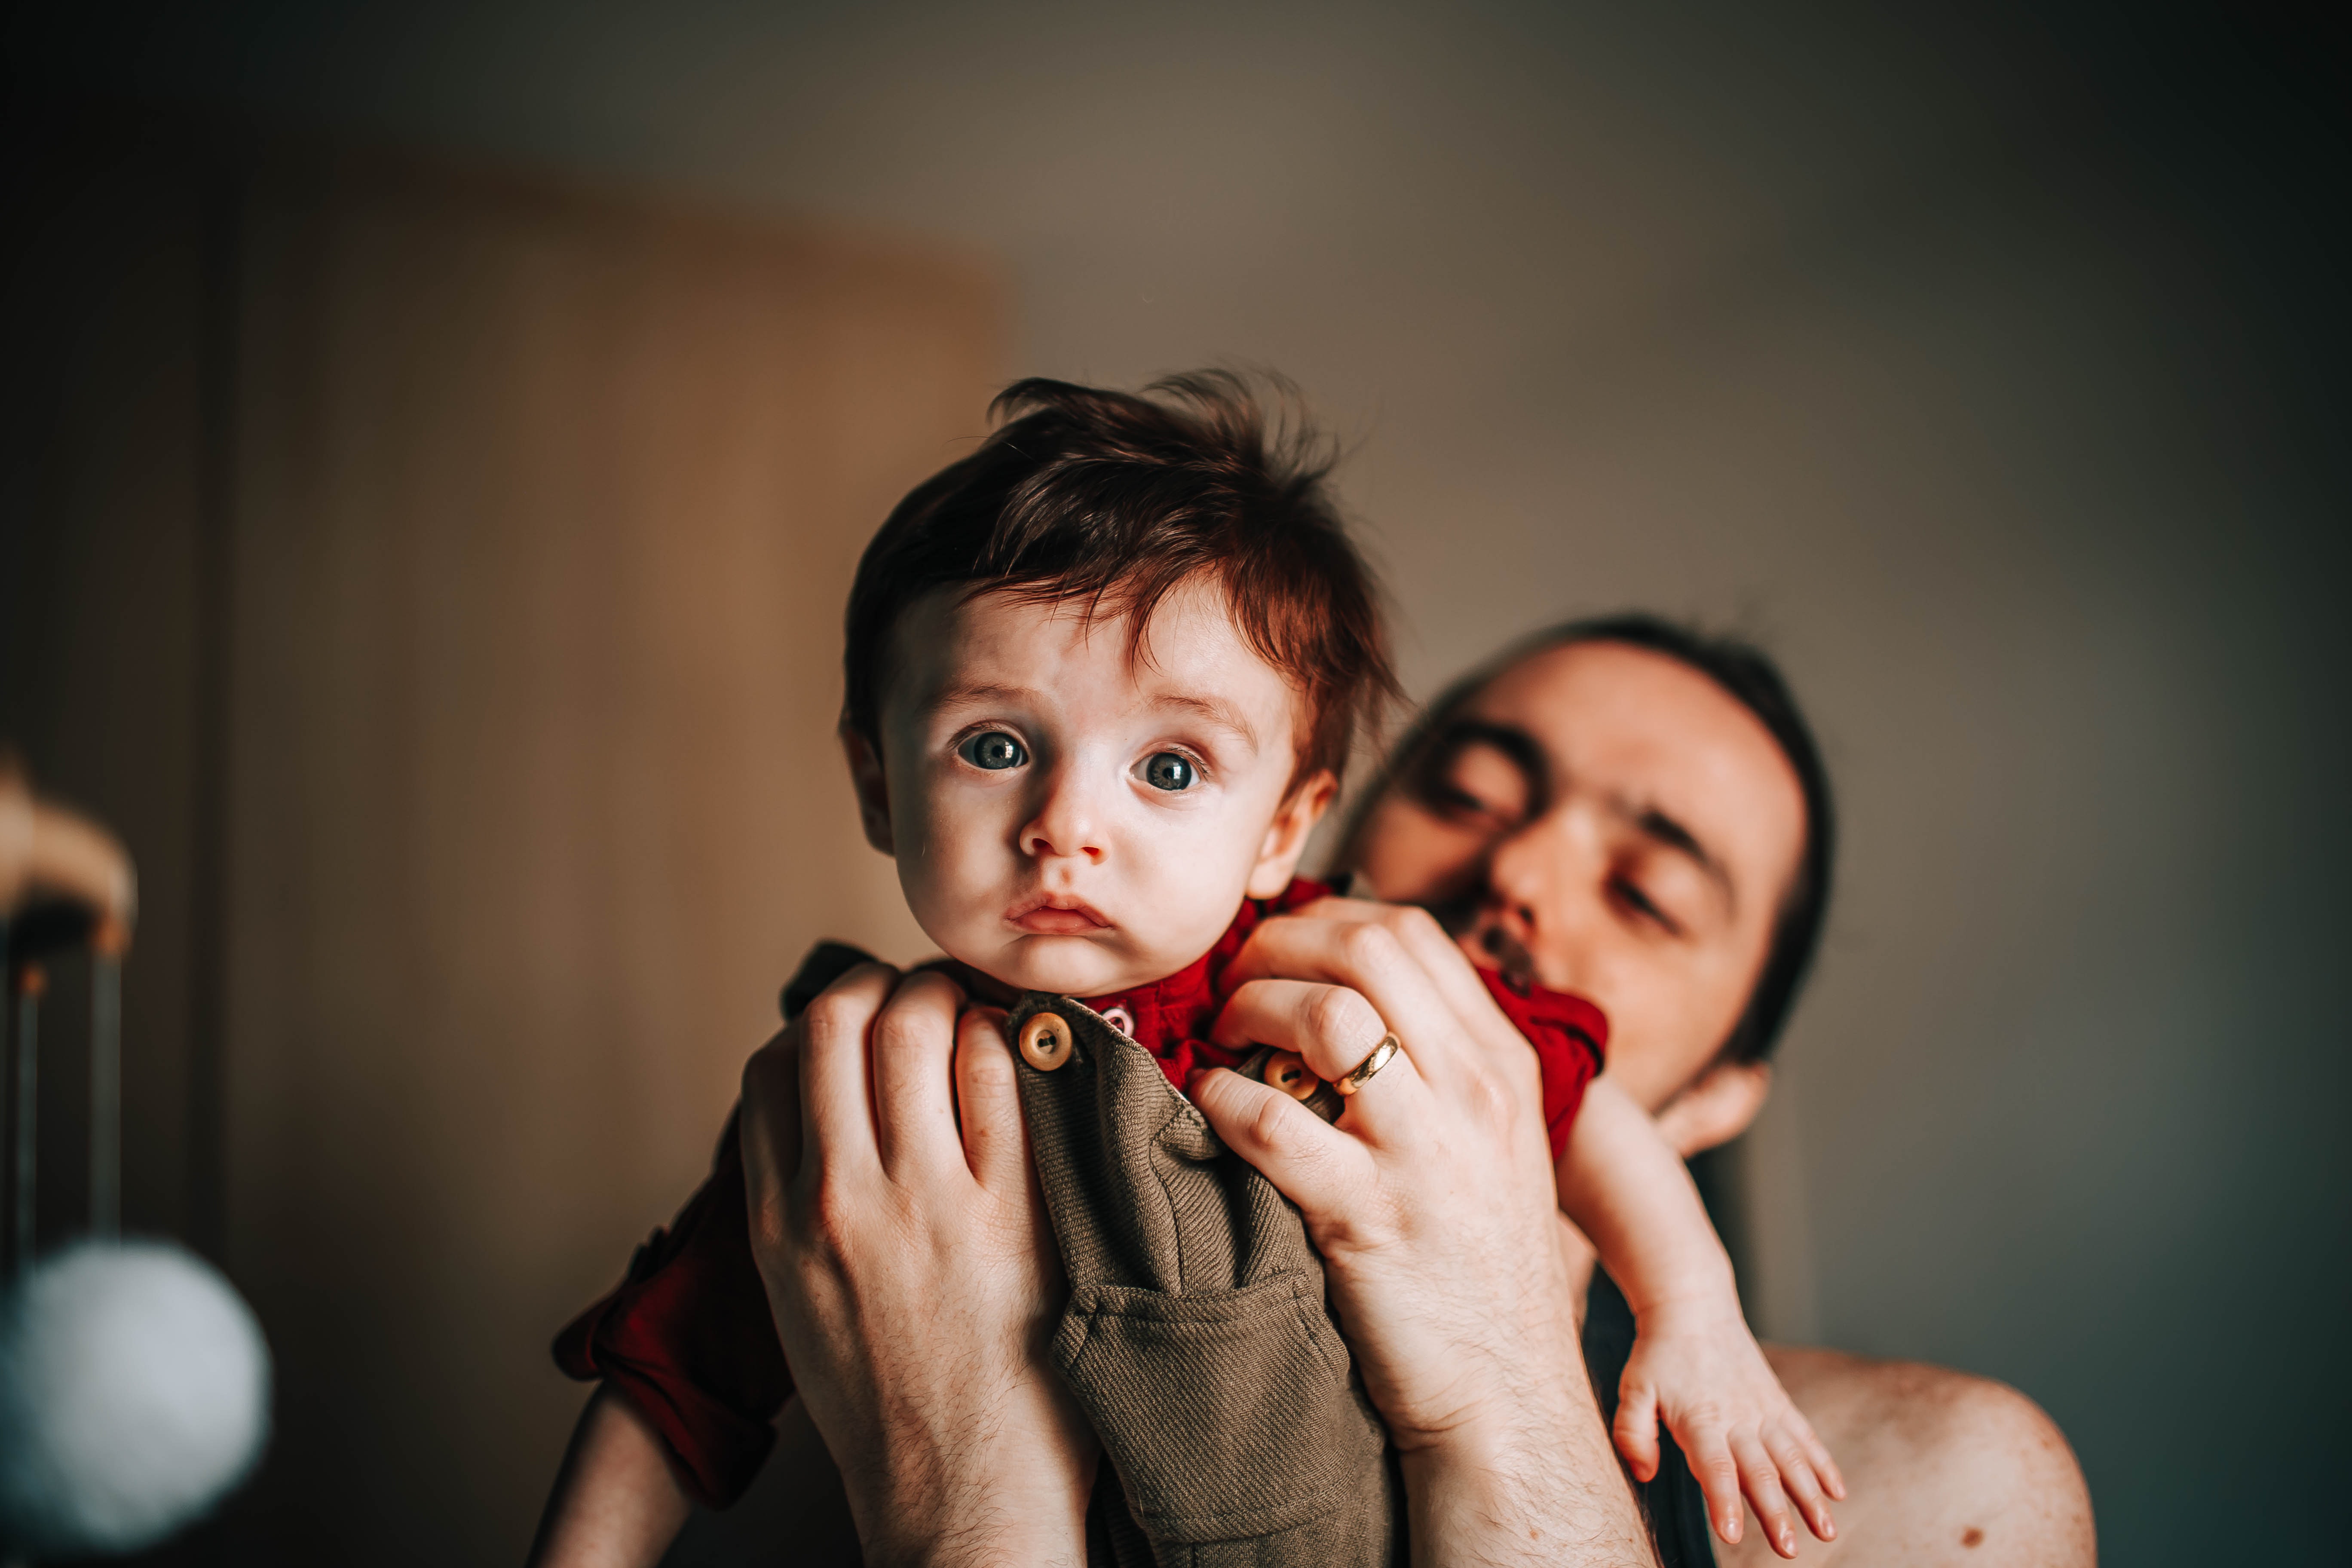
[(1072, 965)]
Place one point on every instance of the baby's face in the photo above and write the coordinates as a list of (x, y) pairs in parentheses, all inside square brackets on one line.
[(1066, 818)]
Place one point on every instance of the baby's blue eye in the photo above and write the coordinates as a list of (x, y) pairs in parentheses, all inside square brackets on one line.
[(994, 751), (1166, 770)]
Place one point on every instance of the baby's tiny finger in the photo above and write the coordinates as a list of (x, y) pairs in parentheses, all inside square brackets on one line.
[(1761, 1481), (1797, 1480), (1637, 1429), (1718, 1479), (1825, 1465)]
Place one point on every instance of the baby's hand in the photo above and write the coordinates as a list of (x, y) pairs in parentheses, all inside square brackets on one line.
[(1696, 1363)]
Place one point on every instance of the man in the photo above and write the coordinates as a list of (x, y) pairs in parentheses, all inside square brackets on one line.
[(1637, 813), (1621, 809)]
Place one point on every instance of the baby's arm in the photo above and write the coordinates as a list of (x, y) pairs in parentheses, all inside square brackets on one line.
[(616, 1503), (1694, 1363)]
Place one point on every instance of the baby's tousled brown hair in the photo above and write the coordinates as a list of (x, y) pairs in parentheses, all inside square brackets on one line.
[(1116, 499)]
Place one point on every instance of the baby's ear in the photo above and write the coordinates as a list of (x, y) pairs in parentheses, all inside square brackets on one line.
[(873, 789), (1286, 837)]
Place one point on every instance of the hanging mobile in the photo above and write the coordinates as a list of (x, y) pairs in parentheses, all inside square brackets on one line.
[(134, 1380)]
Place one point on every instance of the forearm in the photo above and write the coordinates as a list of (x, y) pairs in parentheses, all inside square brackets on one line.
[(976, 1517), (1627, 1190), (1548, 1493), (935, 1486), (616, 1504), (1527, 1475)]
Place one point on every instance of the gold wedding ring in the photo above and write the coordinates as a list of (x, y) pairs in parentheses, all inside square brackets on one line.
[(1361, 1073)]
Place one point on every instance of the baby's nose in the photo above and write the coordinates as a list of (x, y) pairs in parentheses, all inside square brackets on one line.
[(1066, 827), (1042, 844)]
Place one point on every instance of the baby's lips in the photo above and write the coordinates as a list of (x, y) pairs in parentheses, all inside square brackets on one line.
[(1057, 916)]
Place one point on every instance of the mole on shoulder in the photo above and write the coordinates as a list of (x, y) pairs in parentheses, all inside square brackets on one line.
[(1972, 1536)]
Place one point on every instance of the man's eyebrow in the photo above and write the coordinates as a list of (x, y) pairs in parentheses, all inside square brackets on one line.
[(1661, 828), (1521, 750)]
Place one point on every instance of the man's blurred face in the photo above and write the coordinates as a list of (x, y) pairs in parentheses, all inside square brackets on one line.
[(1612, 820)]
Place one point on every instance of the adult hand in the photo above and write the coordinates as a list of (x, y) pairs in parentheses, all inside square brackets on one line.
[(910, 1266), (1432, 1201)]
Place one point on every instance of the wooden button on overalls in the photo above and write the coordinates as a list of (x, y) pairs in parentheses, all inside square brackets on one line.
[(1288, 1072), (1045, 1041)]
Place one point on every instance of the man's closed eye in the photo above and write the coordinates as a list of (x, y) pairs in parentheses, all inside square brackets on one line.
[(1629, 894)]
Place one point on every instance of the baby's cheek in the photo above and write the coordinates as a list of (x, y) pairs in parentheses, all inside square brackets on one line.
[(941, 875), (1191, 893)]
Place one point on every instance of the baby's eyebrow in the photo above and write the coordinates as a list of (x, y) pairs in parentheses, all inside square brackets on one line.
[(1215, 710), (982, 693), (963, 694)]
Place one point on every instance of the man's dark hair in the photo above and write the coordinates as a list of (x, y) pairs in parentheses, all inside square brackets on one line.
[(1748, 675), (1115, 500)]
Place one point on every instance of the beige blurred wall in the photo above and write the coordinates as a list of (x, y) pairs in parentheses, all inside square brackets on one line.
[(437, 576), (547, 504)]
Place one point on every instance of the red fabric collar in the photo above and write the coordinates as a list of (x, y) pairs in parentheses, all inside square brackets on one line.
[(1172, 1015)]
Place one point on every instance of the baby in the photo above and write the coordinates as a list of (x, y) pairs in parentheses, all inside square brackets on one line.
[(1102, 678)]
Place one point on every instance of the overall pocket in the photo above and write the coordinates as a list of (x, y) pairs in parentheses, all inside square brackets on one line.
[(1228, 1414)]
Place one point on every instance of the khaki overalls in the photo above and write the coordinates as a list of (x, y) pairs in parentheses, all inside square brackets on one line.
[(1197, 1337)]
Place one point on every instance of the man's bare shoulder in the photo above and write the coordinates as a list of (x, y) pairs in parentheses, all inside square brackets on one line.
[(1940, 1466)]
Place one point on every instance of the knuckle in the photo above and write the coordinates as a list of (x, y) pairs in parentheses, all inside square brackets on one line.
[(1270, 1128), (984, 1067), (770, 1228), (897, 1028), (1417, 925), (1494, 1105), (833, 1012), (1340, 1016), (1706, 1420), (831, 1219), (1368, 945)]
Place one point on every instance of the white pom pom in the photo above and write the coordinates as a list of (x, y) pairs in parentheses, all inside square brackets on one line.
[(134, 1394)]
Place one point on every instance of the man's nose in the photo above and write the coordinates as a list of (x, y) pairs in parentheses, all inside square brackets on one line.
[(1533, 874), (1069, 822)]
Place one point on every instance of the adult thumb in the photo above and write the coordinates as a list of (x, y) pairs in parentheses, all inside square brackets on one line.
[(1310, 1162)]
